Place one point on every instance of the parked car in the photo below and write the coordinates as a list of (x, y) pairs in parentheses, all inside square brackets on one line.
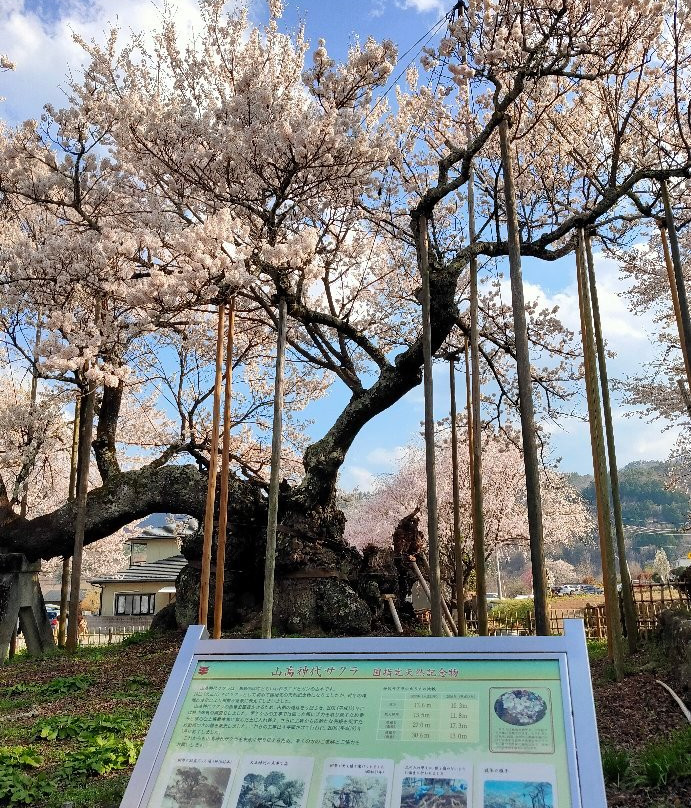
[(589, 589)]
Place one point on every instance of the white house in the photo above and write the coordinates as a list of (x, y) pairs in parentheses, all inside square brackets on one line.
[(148, 584)]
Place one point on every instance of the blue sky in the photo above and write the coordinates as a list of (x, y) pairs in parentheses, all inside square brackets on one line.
[(36, 34)]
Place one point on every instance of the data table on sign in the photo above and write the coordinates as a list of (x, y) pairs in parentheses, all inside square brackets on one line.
[(438, 717)]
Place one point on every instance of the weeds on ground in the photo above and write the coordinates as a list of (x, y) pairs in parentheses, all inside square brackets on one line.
[(615, 765), (17, 786), (655, 765), (597, 649)]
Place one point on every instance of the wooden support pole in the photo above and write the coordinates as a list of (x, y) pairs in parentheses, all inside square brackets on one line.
[(458, 549), (444, 605), (225, 474), (394, 614), (677, 316), (682, 298), (272, 525), (86, 427), (432, 530), (630, 619), (614, 638), (426, 590), (527, 408), (211, 482), (476, 495), (71, 496)]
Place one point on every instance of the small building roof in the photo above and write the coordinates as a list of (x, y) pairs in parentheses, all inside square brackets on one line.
[(164, 570), (166, 532)]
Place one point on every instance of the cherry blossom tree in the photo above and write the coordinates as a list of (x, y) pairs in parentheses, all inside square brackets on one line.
[(181, 174), (372, 519)]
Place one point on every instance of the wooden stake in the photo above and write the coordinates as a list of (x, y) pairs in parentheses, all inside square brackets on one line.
[(630, 617), (476, 495), (225, 473), (527, 408), (432, 532), (86, 428), (458, 553), (272, 525), (614, 638), (211, 483)]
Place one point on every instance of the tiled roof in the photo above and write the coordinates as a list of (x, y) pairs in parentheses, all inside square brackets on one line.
[(166, 569), (168, 532)]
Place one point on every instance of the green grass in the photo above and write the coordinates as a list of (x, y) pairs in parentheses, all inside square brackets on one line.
[(106, 792), (597, 649)]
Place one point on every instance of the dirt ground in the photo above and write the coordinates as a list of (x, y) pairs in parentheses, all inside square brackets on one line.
[(631, 714)]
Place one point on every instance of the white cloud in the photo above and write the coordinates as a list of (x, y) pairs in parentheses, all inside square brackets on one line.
[(353, 477), (390, 458), (44, 50), (425, 5)]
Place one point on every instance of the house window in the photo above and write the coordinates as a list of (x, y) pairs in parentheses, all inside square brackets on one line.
[(135, 604), (137, 553)]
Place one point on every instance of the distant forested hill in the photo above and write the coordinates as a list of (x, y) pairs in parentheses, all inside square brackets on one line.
[(645, 496)]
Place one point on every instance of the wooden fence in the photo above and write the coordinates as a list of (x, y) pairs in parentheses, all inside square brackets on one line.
[(99, 636), (650, 599)]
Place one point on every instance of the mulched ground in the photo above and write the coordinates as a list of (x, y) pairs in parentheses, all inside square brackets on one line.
[(634, 713), (631, 714)]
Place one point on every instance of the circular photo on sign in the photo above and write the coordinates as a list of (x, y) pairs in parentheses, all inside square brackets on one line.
[(520, 707)]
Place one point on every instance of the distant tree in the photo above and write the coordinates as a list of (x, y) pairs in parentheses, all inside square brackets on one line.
[(661, 566)]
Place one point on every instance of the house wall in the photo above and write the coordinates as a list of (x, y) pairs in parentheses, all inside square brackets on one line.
[(160, 548), (134, 588)]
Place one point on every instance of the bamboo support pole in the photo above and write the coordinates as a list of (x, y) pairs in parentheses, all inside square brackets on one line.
[(630, 620), (527, 409), (86, 428), (458, 550), (225, 474), (272, 524), (426, 590), (614, 639), (211, 482), (432, 531)]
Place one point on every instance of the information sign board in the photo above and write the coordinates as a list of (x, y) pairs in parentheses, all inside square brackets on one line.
[(374, 723)]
